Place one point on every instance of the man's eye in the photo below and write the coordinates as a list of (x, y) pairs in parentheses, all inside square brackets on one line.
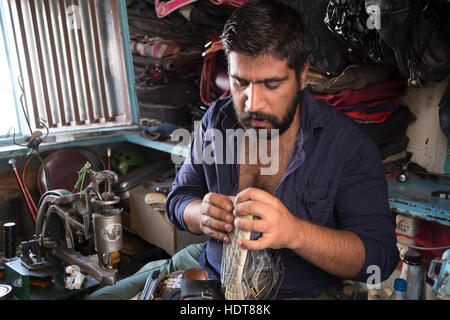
[(240, 83), (271, 85)]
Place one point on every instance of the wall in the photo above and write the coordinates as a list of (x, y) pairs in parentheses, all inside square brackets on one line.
[(429, 146), (427, 141)]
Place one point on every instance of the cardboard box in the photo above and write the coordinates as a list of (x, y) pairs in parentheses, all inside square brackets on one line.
[(151, 223)]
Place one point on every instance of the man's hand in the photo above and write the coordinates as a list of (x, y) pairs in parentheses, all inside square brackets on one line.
[(216, 217), (278, 226), (339, 252)]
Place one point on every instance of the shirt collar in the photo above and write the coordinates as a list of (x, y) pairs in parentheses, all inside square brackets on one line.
[(311, 115)]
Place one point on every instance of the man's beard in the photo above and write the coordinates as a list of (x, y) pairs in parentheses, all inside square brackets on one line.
[(245, 119)]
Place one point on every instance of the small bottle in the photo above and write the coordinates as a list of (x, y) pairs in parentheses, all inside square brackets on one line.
[(404, 272), (399, 290)]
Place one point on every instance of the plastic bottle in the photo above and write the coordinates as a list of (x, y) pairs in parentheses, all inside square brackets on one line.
[(399, 290)]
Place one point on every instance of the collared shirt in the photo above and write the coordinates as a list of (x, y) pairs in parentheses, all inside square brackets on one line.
[(334, 178)]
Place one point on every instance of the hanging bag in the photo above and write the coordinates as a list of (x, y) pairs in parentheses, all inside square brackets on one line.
[(214, 77)]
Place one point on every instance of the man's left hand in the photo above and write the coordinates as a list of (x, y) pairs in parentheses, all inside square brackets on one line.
[(278, 226)]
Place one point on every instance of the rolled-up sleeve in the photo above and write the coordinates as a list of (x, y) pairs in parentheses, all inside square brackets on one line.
[(362, 206)]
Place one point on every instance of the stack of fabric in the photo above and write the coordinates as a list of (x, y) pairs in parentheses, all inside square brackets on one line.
[(167, 57), (370, 95)]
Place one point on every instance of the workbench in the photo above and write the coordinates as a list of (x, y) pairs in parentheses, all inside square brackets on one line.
[(414, 198)]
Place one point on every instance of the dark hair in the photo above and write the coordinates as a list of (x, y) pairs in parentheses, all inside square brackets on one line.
[(266, 27)]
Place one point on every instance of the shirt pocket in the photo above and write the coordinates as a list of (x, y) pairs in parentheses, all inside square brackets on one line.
[(316, 203)]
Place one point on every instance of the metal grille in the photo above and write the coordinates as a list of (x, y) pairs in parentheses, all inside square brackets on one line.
[(70, 57)]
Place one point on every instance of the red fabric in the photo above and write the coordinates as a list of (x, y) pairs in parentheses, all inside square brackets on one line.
[(390, 89), (365, 114)]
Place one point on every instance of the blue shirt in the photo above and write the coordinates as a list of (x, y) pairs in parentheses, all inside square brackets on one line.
[(334, 178)]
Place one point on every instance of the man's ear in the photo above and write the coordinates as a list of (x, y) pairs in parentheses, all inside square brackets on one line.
[(303, 75)]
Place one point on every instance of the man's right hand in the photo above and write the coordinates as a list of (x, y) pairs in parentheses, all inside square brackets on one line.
[(212, 215), (216, 216)]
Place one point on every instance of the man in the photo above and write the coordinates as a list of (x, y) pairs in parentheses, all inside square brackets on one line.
[(324, 208)]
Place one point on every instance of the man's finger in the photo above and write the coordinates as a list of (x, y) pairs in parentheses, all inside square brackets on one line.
[(252, 244), (219, 200), (251, 207), (213, 233), (218, 213), (250, 225), (253, 194), (210, 222)]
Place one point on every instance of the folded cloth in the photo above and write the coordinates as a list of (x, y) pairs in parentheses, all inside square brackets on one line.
[(173, 27), (160, 48), (354, 77), (390, 130), (375, 112), (170, 63), (386, 90)]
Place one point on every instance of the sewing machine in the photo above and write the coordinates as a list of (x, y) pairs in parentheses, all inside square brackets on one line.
[(70, 226)]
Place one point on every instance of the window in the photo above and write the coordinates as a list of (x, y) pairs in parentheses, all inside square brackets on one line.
[(9, 119), (68, 60)]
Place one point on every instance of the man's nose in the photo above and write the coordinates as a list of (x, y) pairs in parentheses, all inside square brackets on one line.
[(254, 98)]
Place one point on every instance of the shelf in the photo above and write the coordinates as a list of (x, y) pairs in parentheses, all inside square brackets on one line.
[(168, 146), (13, 151), (131, 136), (414, 198)]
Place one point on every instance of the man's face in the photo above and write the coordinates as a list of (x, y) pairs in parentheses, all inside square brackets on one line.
[(266, 92)]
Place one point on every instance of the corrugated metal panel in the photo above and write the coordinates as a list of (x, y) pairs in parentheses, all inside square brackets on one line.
[(71, 58)]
